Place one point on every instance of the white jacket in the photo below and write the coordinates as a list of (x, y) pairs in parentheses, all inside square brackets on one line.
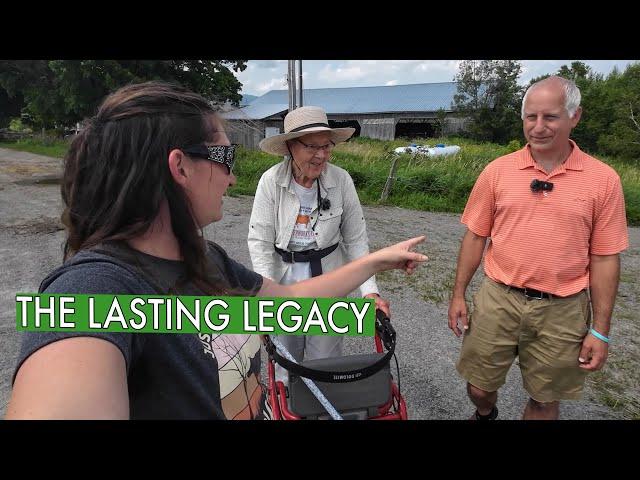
[(276, 207)]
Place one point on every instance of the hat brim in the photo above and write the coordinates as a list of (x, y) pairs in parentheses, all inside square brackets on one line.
[(276, 144)]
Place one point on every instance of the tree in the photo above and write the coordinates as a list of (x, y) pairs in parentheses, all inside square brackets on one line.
[(33, 81), (441, 121), (595, 104), (9, 107), (578, 72), (621, 93), (488, 95), (536, 80), (594, 118), (61, 92), (610, 109)]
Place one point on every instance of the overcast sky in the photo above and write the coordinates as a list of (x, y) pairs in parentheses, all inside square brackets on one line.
[(261, 76)]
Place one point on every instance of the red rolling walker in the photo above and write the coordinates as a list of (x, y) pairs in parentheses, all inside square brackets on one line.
[(360, 387)]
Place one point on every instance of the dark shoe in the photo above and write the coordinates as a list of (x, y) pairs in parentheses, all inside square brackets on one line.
[(492, 415)]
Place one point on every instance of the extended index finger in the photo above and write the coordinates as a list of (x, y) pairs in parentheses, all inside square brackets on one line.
[(412, 242)]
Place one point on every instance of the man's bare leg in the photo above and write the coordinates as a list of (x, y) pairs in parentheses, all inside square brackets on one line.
[(484, 401), (541, 411)]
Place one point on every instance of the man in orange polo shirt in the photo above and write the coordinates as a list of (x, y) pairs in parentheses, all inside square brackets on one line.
[(557, 223)]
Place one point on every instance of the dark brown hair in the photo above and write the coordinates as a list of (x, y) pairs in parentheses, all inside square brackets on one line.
[(116, 173)]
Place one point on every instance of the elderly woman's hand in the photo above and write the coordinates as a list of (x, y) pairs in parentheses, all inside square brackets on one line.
[(381, 303)]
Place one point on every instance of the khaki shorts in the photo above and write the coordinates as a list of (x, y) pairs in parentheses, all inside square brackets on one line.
[(545, 334)]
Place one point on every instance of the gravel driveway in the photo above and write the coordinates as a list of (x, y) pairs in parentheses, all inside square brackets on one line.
[(31, 245)]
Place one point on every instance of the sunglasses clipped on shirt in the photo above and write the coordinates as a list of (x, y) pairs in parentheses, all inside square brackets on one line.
[(224, 154)]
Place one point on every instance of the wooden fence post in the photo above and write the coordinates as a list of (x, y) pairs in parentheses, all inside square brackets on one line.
[(392, 176)]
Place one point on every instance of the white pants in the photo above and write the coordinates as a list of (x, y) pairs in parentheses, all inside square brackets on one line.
[(309, 347), (303, 347)]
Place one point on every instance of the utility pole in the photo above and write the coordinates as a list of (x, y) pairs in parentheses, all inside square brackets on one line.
[(291, 80), (295, 92), (300, 82)]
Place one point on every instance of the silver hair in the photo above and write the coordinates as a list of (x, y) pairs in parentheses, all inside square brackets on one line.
[(572, 95)]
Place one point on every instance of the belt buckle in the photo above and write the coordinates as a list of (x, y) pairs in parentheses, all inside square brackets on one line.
[(526, 294), (292, 258)]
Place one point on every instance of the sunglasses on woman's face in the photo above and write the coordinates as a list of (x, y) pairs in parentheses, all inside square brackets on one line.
[(224, 154)]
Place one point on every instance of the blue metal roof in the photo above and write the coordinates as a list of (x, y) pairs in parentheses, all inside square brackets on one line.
[(247, 99), (420, 97), (257, 112)]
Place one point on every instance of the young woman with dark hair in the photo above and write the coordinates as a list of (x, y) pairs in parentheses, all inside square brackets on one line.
[(141, 181)]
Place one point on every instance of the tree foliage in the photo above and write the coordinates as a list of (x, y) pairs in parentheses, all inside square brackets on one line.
[(610, 124), (489, 96), (58, 93)]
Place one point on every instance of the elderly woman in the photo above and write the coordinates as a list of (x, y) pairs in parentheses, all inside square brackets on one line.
[(307, 218)]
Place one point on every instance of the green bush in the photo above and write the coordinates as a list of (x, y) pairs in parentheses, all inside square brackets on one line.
[(514, 145), (16, 125)]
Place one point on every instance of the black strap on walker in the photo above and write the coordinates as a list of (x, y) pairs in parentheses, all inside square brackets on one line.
[(384, 330)]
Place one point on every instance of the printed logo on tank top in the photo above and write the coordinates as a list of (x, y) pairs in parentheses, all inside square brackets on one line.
[(303, 235)]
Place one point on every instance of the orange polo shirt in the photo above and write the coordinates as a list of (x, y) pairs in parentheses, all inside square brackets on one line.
[(543, 240)]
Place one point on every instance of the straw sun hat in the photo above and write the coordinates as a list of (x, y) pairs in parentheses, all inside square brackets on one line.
[(300, 122)]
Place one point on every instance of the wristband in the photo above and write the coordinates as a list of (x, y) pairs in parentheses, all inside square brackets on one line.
[(599, 336)]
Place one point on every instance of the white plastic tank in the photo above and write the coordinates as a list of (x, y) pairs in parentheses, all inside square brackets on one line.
[(438, 150), (443, 150), (409, 149)]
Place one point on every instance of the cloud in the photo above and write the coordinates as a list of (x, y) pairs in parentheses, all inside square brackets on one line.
[(354, 73), (272, 84), (438, 70), (270, 64), (340, 73), (264, 75)]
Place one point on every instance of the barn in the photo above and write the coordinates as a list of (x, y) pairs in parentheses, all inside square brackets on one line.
[(385, 112)]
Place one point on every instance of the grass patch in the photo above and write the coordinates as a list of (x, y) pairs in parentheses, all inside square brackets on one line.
[(48, 147), (617, 385), (439, 184), (613, 391)]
